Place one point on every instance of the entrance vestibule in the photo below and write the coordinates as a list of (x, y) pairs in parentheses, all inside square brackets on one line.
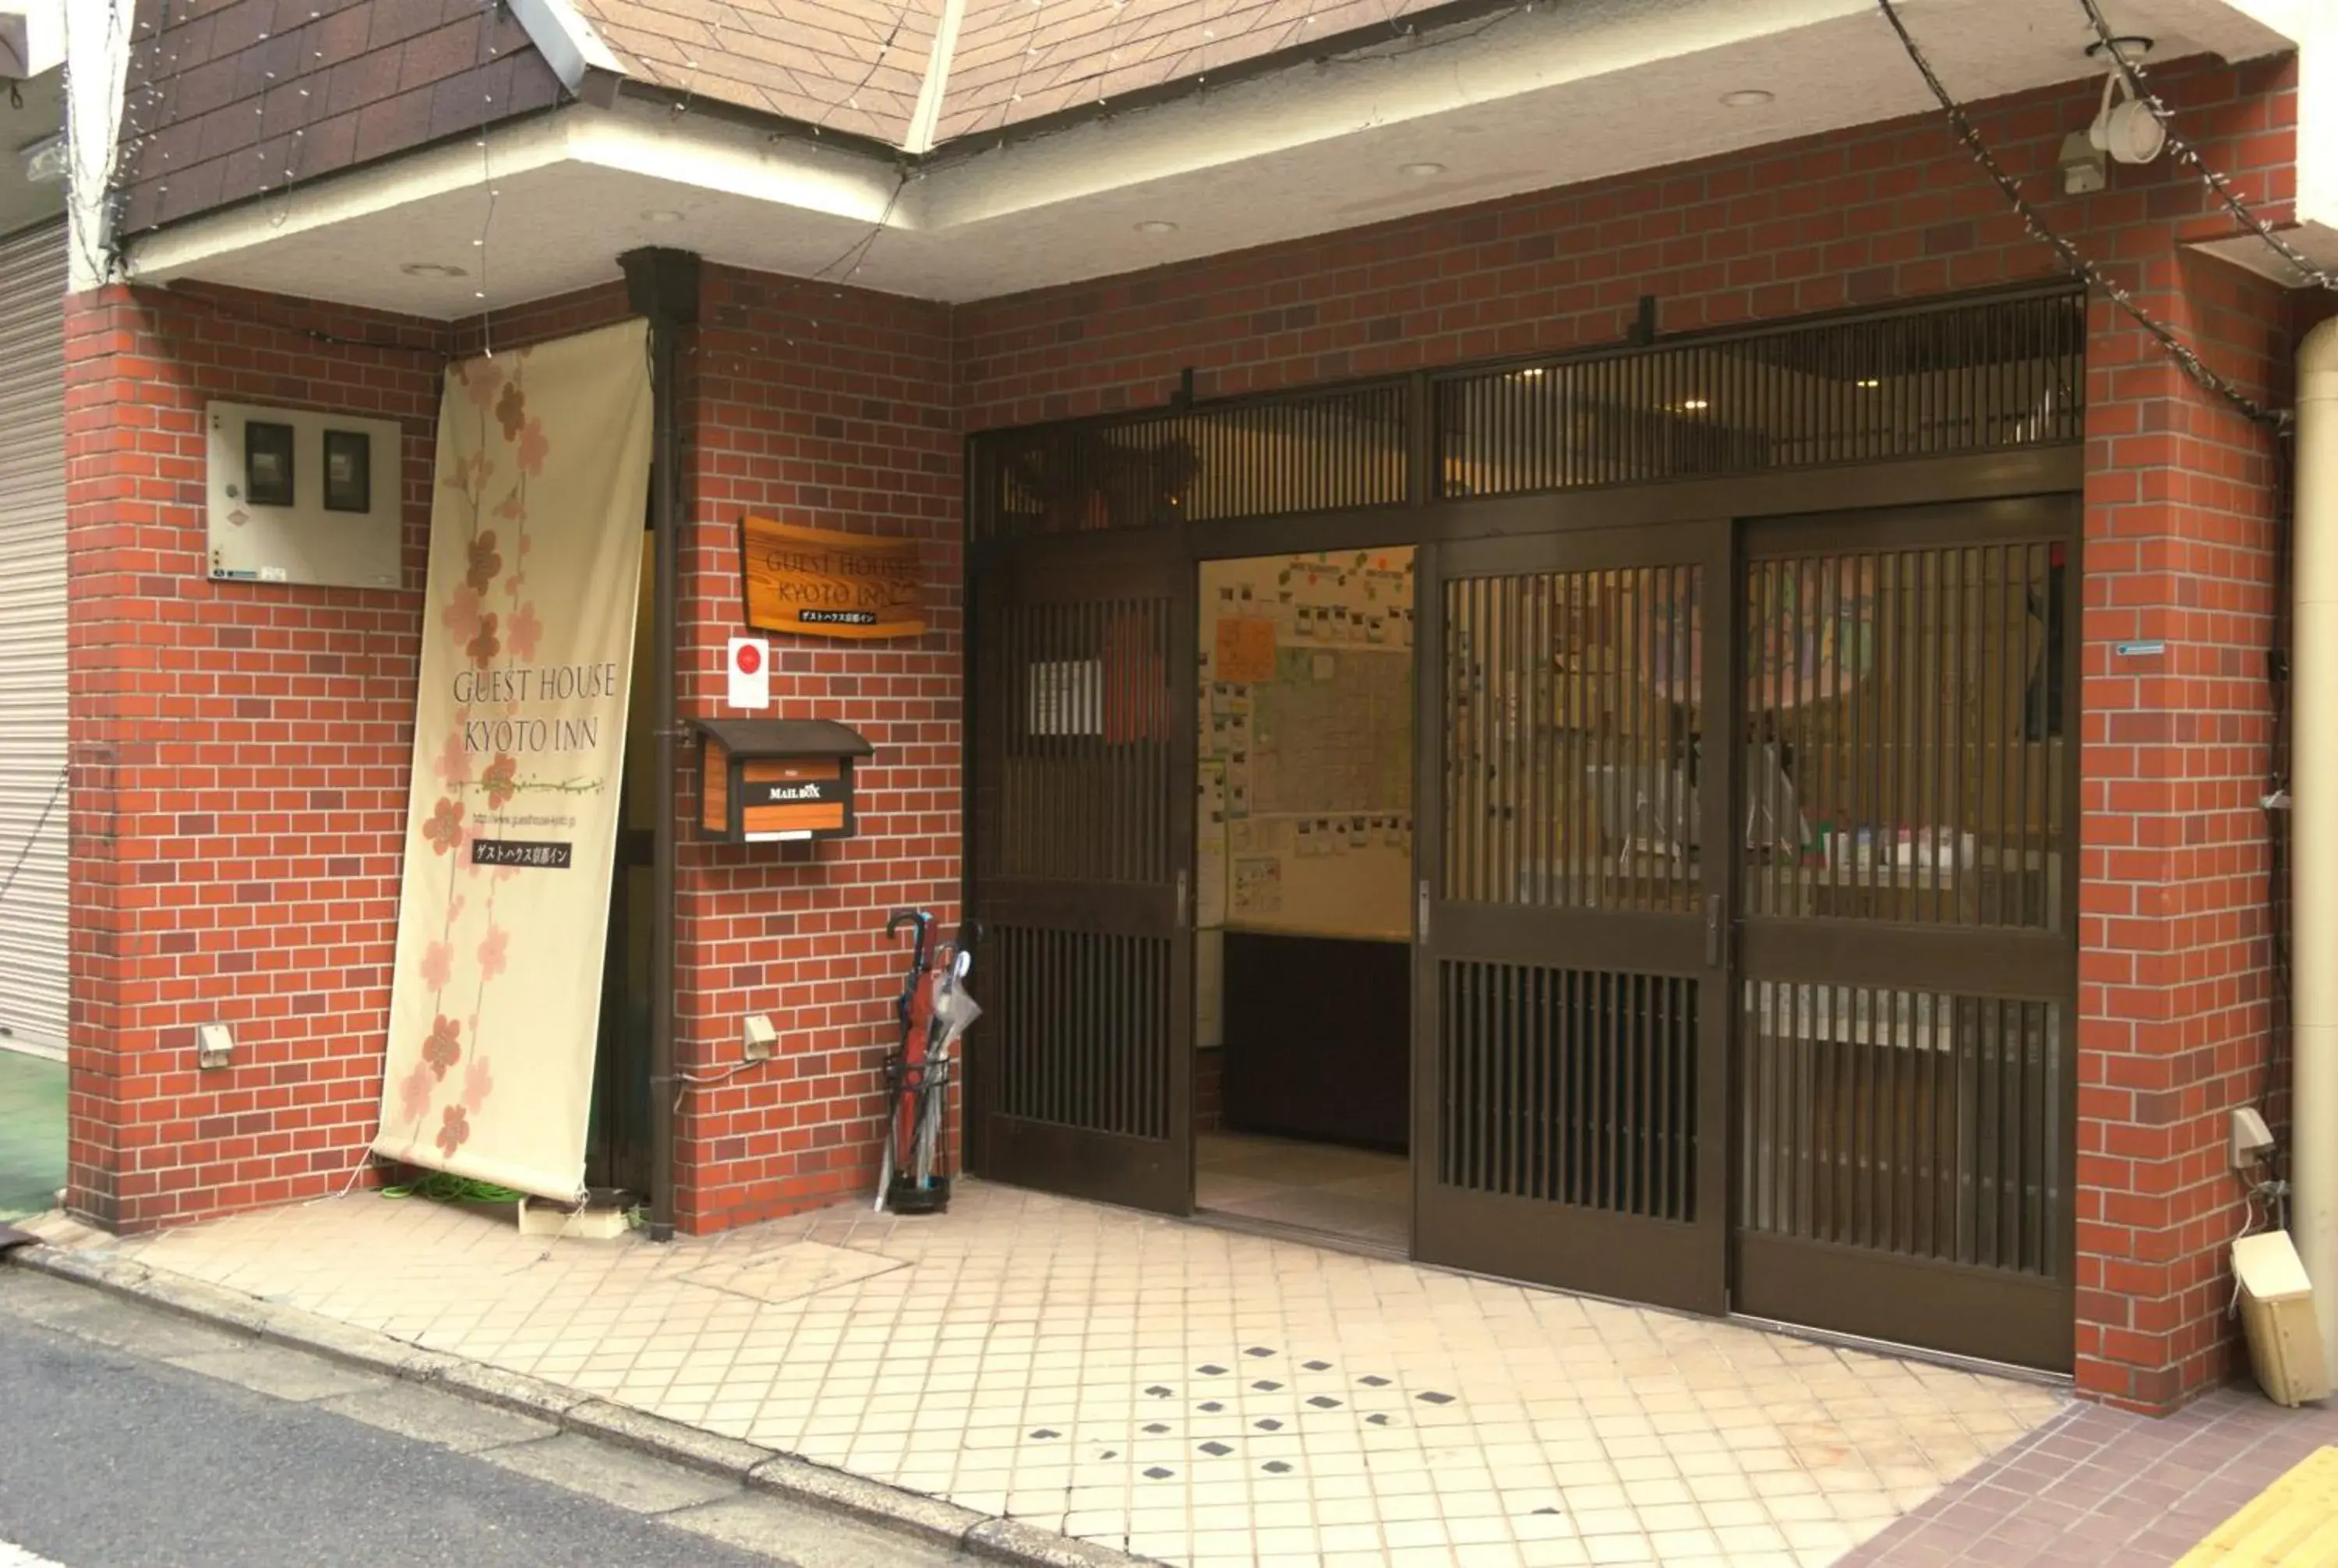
[(1720, 951), (1303, 914)]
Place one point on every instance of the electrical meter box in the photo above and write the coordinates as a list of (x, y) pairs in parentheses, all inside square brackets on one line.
[(777, 781), (295, 497)]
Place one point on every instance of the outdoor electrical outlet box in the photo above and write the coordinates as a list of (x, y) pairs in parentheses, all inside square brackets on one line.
[(301, 497), (214, 1045), (759, 1039), (777, 781), (2277, 1312), (2252, 1139)]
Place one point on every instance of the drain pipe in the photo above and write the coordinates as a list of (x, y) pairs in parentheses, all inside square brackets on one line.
[(662, 286), (2313, 863)]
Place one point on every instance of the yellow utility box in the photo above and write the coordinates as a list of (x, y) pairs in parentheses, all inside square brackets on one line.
[(2277, 1311)]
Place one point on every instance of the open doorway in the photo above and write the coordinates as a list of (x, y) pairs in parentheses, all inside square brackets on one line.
[(1303, 940), (617, 1143)]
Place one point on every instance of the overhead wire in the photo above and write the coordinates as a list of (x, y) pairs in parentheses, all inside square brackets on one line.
[(2186, 359), (2185, 152)]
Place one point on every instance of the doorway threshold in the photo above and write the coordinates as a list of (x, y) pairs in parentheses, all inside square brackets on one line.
[(1308, 1235), (1977, 1365)]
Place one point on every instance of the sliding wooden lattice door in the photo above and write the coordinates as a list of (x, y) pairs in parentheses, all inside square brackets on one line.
[(1570, 1043), (1906, 1041), (1082, 839)]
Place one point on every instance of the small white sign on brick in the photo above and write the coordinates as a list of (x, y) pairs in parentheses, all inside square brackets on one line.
[(750, 673)]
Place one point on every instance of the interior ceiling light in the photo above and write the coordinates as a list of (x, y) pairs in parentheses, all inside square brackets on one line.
[(1157, 226), (1695, 406), (2125, 127), (430, 269), (1869, 383), (662, 215), (1420, 171), (1747, 98)]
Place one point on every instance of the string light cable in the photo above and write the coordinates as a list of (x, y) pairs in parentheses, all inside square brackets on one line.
[(2186, 359), (2139, 86)]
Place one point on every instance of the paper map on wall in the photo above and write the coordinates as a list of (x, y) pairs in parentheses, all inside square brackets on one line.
[(1333, 732)]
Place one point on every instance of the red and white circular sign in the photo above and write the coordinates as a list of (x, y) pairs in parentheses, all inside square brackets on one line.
[(749, 657)]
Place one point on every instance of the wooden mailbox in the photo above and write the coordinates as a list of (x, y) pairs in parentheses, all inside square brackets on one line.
[(777, 781)]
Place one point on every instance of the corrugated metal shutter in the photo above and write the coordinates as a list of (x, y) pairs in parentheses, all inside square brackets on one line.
[(32, 639)]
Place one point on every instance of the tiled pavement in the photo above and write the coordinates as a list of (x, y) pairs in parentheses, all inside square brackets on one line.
[(31, 1133), (2096, 1485), (1184, 1392)]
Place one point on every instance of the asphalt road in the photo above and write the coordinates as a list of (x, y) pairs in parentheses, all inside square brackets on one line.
[(132, 1439)]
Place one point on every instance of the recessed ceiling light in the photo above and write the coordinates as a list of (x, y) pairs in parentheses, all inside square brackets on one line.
[(662, 215), (1746, 98), (1157, 226), (430, 269), (1420, 171), (1695, 406), (1869, 383), (1531, 373)]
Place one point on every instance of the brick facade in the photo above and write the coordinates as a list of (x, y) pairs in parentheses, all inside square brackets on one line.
[(2176, 999), (239, 760), (225, 859), (242, 752), (829, 408)]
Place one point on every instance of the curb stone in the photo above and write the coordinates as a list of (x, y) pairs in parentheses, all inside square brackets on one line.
[(757, 1469)]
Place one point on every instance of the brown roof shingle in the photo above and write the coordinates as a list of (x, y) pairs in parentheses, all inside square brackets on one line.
[(850, 66), (859, 65), (229, 98), (1020, 60)]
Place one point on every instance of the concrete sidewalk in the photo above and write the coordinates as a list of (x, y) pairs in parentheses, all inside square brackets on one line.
[(1143, 1386)]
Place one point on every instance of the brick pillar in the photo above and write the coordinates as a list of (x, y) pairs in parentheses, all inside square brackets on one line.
[(2175, 994), (828, 407)]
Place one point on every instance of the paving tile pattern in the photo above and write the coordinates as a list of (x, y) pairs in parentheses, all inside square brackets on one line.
[(2098, 1485), (1182, 1392), (31, 1133)]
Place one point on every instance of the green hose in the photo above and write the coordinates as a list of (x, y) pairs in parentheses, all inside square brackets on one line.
[(447, 1189)]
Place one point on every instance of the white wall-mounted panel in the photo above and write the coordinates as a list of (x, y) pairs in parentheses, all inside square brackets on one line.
[(311, 540)]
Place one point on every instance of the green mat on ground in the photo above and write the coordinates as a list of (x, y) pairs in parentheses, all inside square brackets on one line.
[(31, 1133)]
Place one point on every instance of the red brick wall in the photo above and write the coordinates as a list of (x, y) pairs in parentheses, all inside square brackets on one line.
[(240, 756), (2175, 1007), (828, 408), (2177, 1001), (242, 751)]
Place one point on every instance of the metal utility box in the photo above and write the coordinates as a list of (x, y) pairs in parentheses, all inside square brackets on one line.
[(295, 497), (777, 781), (2277, 1312)]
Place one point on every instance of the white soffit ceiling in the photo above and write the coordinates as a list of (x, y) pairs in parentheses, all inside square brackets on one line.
[(1547, 98)]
